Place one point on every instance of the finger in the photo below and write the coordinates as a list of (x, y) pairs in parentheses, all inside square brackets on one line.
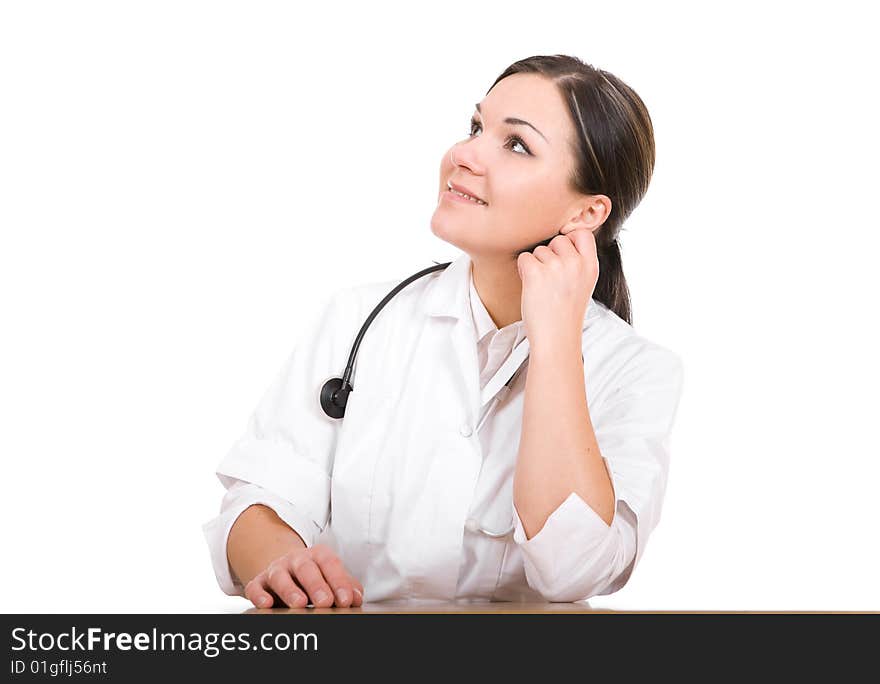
[(563, 246), (256, 593), (532, 247), (336, 575), (358, 590), (278, 579), (544, 254), (584, 241), (521, 262), (308, 574)]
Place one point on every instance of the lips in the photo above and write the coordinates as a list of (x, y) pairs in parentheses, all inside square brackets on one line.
[(466, 191)]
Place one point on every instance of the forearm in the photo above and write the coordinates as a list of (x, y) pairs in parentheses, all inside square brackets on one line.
[(258, 537), (558, 451)]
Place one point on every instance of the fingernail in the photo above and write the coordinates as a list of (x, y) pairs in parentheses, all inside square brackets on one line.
[(343, 595), (292, 599), (263, 601), (320, 596), (360, 595)]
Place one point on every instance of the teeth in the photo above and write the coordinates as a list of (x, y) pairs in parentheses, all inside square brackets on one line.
[(461, 194)]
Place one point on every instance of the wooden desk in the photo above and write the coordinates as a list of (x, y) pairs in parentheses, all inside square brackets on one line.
[(402, 607), (441, 607)]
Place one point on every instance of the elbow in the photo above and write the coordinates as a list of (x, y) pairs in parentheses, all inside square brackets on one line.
[(582, 577), (576, 555), (568, 592)]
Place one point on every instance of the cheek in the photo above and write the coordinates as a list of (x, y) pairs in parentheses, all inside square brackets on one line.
[(519, 203), (542, 198), (526, 211)]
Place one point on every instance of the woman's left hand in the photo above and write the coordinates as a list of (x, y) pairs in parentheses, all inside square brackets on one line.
[(558, 281)]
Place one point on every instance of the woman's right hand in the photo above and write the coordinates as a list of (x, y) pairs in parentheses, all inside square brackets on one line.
[(302, 575)]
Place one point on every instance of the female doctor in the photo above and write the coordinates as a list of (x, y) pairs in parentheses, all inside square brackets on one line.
[(507, 433)]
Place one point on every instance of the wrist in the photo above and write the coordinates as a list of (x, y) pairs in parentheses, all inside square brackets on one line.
[(555, 350)]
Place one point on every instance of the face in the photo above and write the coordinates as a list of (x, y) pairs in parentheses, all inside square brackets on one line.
[(520, 172)]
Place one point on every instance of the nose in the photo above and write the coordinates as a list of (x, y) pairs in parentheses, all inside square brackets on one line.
[(466, 154)]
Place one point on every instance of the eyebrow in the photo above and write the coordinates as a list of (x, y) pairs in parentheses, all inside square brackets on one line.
[(516, 122)]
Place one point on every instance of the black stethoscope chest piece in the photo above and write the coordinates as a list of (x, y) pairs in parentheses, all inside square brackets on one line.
[(334, 398)]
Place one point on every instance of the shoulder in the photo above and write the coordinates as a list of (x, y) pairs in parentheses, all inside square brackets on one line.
[(625, 352), (361, 299)]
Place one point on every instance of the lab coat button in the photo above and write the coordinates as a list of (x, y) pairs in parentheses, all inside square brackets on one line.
[(465, 430)]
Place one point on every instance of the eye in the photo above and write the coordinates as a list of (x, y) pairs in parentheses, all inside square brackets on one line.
[(514, 139)]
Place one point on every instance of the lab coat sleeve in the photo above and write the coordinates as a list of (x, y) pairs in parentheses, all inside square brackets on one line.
[(576, 555), (286, 451), (239, 497)]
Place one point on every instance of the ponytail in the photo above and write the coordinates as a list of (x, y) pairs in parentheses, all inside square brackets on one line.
[(611, 288)]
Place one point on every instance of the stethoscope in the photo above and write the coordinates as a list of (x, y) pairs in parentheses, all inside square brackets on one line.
[(334, 393)]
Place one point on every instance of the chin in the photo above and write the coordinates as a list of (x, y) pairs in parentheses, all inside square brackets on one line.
[(441, 227)]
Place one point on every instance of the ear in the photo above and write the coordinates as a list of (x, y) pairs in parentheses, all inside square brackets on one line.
[(590, 214)]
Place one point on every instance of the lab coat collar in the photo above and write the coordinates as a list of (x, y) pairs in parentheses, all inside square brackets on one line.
[(449, 293)]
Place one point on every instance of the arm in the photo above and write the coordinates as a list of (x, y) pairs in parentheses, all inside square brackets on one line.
[(283, 459), (240, 498), (575, 553), (258, 537), (558, 452)]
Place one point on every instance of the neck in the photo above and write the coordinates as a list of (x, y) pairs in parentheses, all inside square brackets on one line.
[(500, 288)]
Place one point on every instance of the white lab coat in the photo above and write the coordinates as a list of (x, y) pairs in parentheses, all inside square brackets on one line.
[(393, 485)]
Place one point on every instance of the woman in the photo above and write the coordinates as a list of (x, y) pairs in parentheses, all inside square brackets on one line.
[(426, 489)]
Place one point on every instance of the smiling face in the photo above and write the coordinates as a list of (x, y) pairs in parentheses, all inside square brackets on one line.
[(521, 171)]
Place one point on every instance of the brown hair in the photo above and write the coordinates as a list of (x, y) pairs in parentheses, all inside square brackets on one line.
[(613, 152)]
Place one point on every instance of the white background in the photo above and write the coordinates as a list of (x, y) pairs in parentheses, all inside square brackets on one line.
[(183, 183)]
